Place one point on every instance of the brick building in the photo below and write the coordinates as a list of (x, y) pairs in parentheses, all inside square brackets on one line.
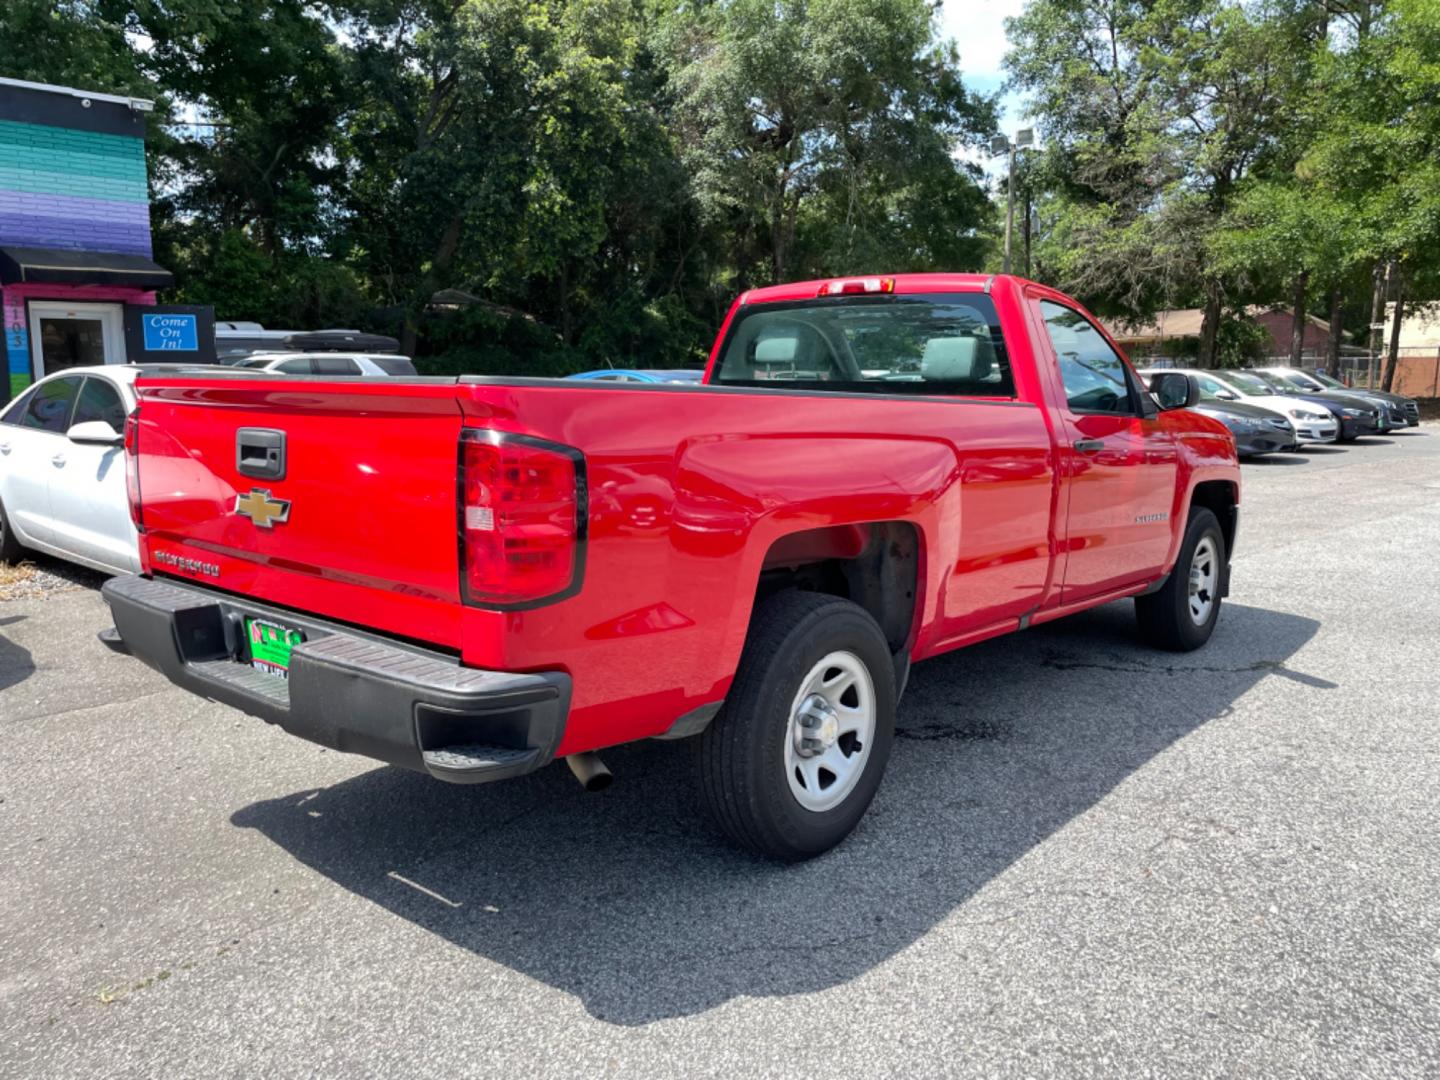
[(1176, 333), (76, 273)]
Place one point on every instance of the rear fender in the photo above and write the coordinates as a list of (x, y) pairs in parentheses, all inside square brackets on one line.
[(750, 495)]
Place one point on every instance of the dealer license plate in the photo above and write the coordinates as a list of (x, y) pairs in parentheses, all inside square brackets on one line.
[(270, 645)]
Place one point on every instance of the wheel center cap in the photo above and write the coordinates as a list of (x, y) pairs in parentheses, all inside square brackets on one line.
[(818, 727)]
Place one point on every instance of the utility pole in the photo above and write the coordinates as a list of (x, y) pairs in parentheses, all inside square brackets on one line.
[(1377, 318), (1009, 204), (1001, 144), (1030, 229)]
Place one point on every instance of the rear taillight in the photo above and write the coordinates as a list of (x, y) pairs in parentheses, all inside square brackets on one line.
[(522, 519), (132, 468)]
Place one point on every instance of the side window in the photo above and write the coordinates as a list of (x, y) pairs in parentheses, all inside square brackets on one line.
[(17, 408), (49, 408), (1209, 388), (295, 367), (99, 400), (395, 365), (335, 365), (1094, 375)]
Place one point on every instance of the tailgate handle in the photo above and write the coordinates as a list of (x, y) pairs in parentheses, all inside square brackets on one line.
[(260, 453)]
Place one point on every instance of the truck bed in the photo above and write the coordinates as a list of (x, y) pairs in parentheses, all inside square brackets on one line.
[(689, 494)]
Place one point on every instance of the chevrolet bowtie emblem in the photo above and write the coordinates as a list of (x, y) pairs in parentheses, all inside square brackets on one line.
[(259, 507)]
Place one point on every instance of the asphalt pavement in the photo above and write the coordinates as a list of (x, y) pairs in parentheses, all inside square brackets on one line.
[(1087, 859)]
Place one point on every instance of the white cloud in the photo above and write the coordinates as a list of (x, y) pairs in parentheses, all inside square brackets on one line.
[(978, 28)]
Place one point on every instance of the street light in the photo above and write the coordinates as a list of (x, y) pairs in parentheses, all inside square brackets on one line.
[(1024, 140)]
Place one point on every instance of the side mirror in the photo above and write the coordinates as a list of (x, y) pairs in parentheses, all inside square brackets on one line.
[(1174, 389), (95, 433), (1227, 395)]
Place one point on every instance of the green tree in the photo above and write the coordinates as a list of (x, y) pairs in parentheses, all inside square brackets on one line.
[(508, 147), (1379, 145), (1155, 113), (821, 135), (71, 43)]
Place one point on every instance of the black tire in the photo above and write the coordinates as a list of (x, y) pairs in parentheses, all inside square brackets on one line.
[(10, 549), (1165, 617), (742, 763)]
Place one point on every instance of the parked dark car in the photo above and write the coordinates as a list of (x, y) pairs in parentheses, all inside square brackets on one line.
[(1356, 415), (1392, 410), (1256, 430), (1408, 406)]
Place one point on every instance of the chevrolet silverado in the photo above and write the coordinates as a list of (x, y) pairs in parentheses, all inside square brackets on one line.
[(472, 577)]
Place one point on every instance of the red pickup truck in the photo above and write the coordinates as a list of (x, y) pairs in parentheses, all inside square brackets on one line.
[(472, 577)]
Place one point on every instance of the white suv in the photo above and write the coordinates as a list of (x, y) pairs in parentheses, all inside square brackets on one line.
[(359, 365)]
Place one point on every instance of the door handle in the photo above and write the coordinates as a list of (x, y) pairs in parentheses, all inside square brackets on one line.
[(1089, 446), (4, 447), (58, 459)]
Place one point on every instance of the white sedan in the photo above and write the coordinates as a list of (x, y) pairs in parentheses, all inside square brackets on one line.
[(1313, 423), (62, 470)]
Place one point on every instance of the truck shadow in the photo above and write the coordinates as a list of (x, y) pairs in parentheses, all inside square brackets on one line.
[(631, 902)]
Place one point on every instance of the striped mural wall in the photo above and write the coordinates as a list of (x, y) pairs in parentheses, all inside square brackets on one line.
[(61, 188), (67, 188)]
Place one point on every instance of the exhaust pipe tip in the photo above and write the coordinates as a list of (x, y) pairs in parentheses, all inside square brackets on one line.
[(590, 771)]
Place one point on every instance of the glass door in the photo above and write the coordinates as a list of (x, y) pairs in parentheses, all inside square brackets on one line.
[(75, 335)]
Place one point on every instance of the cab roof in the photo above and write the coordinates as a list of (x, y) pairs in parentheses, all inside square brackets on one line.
[(903, 283)]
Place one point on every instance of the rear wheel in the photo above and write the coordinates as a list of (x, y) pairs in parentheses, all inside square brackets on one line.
[(1182, 614), (10, 549), (791, 763)]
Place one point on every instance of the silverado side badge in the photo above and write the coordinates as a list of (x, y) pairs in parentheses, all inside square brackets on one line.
[(258, 505)]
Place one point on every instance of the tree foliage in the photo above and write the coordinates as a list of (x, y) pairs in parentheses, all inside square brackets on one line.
[(600, 176)]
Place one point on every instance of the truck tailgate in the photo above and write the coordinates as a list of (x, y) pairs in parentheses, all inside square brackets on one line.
[(355, 521)]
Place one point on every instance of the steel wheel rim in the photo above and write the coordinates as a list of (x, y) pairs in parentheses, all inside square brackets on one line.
[(829, 731), (1204, 576)]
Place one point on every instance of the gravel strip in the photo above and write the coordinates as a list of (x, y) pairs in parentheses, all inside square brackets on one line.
[(40, 575)]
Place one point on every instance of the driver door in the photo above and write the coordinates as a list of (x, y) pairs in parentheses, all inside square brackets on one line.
[(1119, 461)]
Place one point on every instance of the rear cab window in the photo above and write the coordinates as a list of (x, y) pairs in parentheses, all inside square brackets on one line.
[(937, 344)]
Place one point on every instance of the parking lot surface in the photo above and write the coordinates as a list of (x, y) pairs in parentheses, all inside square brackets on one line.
[(1087, 858)]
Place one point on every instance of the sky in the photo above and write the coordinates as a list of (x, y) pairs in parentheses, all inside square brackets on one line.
[(978, 27)]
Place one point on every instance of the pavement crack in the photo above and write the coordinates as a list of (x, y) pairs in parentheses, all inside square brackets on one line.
[(1139, 668)]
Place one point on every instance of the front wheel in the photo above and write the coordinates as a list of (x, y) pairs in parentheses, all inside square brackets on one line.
[(790, 765), (1181, 615)]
